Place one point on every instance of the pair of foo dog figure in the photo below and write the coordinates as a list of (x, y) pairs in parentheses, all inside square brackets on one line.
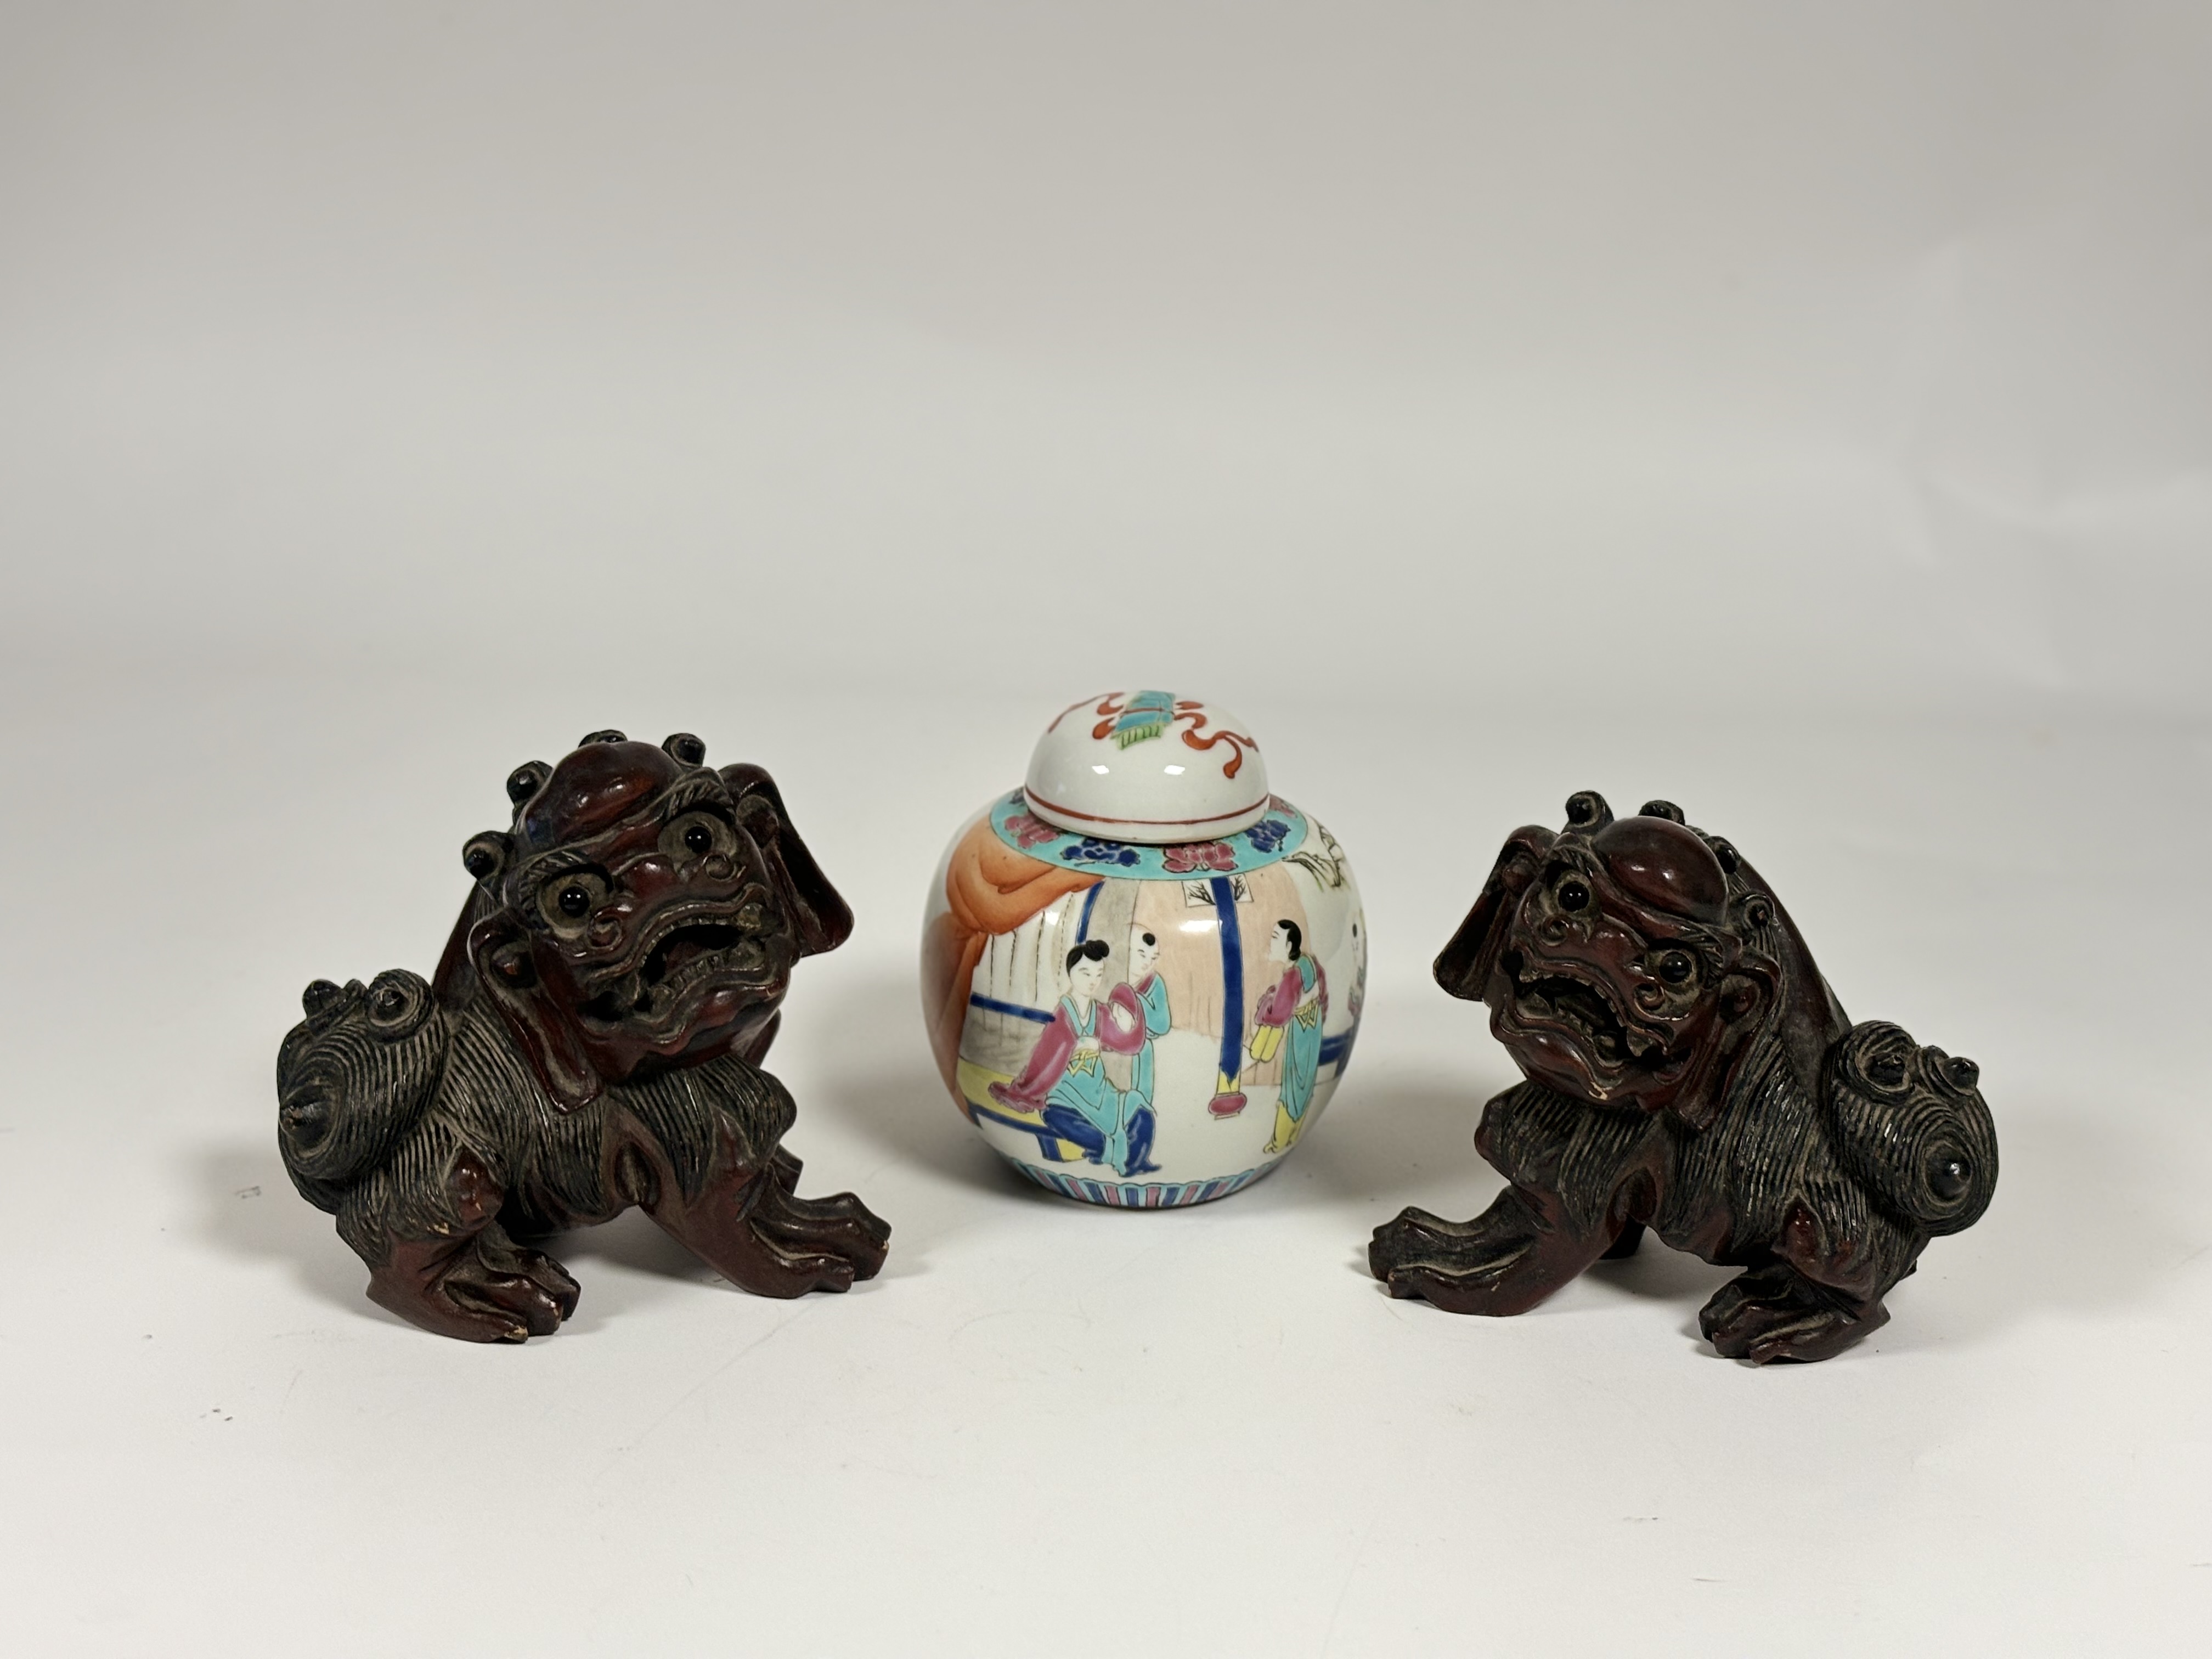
[(592, 1040)]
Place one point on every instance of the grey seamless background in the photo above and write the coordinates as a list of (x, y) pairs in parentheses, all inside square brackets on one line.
[(1802, 413), (1874, 341)]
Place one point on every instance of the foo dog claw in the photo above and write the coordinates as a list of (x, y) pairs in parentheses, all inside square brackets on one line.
[(481, 1288), (1774, 1313)]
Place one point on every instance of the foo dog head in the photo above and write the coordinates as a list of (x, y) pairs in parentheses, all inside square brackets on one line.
[(1621, 964), (642, 910)]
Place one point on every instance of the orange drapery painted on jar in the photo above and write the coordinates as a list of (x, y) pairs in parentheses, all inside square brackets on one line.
[(991, 889)]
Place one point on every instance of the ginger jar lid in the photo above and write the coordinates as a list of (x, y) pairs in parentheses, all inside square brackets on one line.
[(1148, 767)]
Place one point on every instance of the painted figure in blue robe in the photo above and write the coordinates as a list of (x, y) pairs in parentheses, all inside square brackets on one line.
[(1065, 1082), (1288, 1023)]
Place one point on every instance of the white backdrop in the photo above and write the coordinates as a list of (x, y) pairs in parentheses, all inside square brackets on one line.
[(1803, 415)]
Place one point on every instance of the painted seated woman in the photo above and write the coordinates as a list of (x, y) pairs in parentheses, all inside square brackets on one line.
[(1065, 1081)]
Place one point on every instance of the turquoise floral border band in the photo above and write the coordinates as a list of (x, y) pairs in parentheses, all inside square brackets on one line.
[(1278, 834)]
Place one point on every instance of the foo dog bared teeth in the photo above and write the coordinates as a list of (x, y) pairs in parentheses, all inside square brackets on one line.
[(592, 1040), (1689, 1070)]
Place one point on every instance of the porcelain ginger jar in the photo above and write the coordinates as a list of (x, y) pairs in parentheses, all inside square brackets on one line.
[(1143, 971)]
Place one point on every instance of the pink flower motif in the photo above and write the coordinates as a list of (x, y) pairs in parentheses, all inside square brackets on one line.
[(1030, 829), (1198, 855)]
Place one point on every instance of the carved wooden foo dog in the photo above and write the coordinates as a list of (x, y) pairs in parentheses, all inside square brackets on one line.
[(1689, 1070), (592, 1039)]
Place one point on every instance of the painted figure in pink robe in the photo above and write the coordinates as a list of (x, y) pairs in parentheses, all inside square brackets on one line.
[(1065, 1082)]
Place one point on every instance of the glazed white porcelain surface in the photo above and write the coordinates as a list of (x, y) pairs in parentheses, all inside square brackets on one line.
[(1147, 767), (1143, 1023)]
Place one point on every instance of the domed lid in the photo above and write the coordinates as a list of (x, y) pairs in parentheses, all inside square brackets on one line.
[(1147, 767)]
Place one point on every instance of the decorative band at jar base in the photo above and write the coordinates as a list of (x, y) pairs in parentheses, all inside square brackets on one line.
[(1152, 1195)]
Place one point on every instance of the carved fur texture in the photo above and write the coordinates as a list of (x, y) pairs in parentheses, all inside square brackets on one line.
[(592, 1042), (1690, 1072)]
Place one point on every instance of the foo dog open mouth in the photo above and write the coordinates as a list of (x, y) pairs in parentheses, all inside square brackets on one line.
[(688, 952), (1582, 1013)]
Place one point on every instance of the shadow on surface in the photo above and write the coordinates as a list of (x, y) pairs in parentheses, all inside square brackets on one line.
[(1399, 1136), (650, 1267), (889, 1090), (2077, 1227), (1655, 1274), (246, 1206)]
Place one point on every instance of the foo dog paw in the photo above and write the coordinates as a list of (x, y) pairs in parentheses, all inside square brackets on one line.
[(1775, 1313), (486, 1289), (1462, 1266), (813, 1244)]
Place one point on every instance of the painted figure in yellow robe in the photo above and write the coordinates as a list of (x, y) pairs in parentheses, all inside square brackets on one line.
[(1288, 1021)]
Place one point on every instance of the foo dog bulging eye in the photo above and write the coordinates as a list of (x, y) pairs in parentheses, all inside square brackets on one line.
[(1572, 893), (1678, 966), (568, 898), (697, 836)]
